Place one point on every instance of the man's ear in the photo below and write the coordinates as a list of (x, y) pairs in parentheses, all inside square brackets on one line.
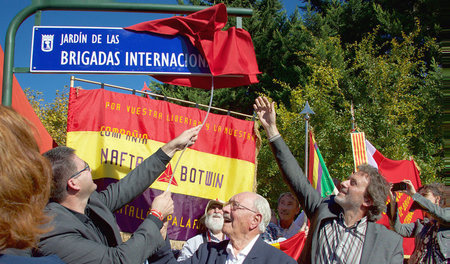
[(256, 220), (438, 200), (367, 201), (72, 184)]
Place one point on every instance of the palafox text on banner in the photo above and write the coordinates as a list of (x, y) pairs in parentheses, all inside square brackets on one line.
[(115, 132)]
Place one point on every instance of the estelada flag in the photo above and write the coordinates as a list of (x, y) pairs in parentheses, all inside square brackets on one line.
[(292, 246), (395, 171), (230, 54), (115, 132)]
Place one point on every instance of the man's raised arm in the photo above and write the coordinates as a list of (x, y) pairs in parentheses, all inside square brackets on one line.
[(291, 171)]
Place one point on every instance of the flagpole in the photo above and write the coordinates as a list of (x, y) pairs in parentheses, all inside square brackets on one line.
[(306, 111), (352, 112)]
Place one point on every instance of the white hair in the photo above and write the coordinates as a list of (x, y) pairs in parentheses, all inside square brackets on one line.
[(263, 207), (214, 224)]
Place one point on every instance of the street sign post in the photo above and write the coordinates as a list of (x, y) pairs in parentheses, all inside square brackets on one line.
[(112, 50)]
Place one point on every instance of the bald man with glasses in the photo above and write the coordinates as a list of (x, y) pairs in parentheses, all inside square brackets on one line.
[(85, 229), (246, 215)]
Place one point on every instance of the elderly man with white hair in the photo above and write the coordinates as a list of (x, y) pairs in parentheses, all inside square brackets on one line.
[(246, 216), (213, 220)]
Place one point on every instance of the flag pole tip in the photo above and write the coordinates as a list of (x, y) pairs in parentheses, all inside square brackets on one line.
[(307, 109)]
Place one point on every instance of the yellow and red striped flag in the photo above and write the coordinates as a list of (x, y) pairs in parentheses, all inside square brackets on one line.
[(359, 148)]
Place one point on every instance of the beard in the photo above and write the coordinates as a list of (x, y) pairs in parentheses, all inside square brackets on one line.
[(214, 222)]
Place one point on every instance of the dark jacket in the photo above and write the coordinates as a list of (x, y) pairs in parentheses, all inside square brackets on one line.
[(380, 245), (74, 243), (215, 253), (419, 228), (13, 259)]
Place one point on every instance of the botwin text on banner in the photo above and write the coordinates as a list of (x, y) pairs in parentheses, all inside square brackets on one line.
[(115, 132)]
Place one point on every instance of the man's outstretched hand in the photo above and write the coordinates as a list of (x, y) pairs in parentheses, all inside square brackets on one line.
[(266, 113), (185, 139), (163, 203)]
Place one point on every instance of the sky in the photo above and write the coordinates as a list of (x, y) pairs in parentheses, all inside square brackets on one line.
[(49, 83)]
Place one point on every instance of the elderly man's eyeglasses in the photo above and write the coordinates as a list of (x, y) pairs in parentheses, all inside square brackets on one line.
[(79, 172), (235, 206)]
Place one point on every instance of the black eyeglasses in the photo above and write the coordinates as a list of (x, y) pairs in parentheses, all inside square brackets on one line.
[(78, 173), (235, 206)]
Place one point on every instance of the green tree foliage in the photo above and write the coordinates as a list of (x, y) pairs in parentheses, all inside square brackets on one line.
[(373, 54), (353, 18), (396, 98), (53, 115), (276, 38)]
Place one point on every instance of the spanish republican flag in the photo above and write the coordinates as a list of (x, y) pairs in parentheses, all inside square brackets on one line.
[(318, 174), (292, 246), (115, 132)]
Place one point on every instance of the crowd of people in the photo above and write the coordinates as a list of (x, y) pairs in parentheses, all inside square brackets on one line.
[(52, 213)]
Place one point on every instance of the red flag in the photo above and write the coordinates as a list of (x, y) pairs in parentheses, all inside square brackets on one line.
[(229, 52), (292, 246), (23, 107), (396, 171), (145, 88)]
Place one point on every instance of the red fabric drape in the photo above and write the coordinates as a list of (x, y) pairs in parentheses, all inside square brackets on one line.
[(22, 106), (396, 171), (229, 52)]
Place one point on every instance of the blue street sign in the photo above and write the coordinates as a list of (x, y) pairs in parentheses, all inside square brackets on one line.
[(113, 50)]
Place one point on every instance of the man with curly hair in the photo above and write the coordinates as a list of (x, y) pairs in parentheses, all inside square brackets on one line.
[(343, 228)]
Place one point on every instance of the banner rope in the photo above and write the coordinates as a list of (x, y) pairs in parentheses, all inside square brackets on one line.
[(201, 126)]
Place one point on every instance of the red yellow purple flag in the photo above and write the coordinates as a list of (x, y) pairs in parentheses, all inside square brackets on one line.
[(115, 132), (318, 174)]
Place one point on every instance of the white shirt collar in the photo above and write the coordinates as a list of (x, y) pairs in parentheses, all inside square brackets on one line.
[(214, 238), (231, 258)]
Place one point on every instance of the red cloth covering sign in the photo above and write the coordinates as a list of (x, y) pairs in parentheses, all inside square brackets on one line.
[(115, 132), (229, 52)]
